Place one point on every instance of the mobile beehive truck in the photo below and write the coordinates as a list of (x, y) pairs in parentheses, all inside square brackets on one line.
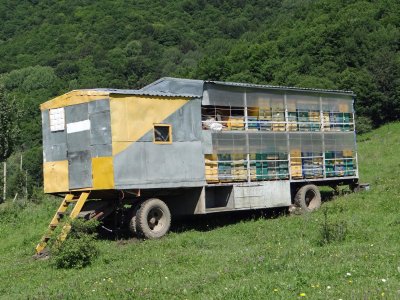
[(180, 146)]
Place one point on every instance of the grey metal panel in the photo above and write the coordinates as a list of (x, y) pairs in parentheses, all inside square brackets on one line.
[(56, 152), (151, 165), (54, 143), (99, 106), (80, 169), (78, 141), (206, 140), (100, 129), (101, 150), (267, 194), (76, 113), (186, 123)]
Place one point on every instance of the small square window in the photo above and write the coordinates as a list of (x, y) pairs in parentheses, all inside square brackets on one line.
[(162, 134)]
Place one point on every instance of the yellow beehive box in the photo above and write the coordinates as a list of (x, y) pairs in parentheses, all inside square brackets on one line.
[(253, 111), (235, 123), (211, 157), (347, 153), (295, 153), (296, 171)]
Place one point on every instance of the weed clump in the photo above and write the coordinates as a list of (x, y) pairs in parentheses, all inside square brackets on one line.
[(79, 249), (331, 231)]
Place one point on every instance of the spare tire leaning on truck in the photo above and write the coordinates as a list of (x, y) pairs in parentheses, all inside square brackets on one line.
[(308, 198)]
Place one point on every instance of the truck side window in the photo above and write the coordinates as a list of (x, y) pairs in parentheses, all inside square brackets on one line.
[(162, 134)]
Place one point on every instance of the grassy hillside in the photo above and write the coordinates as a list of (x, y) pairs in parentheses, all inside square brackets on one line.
[(279, 258)]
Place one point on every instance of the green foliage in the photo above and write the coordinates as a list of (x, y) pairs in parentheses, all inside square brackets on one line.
[(9, 211), (75, 253), (363, 125), (47, 49), (79, 249), (17, 183), (7, 121)]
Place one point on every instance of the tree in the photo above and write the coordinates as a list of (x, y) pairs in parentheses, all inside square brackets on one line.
[(7, 132)]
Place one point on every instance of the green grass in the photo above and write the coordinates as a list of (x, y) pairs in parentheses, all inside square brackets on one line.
[(258, 259)]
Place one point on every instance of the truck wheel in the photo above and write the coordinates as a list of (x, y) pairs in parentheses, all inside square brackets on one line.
[(132, 221), (153, 219), (308, 198)]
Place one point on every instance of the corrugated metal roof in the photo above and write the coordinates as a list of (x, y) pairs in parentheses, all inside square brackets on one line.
[(175, 85), (192, 88), (276, 87), (140, 92)]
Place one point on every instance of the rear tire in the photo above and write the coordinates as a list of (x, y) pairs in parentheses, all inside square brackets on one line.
[(153, 219), (132, 221), (308, 198)]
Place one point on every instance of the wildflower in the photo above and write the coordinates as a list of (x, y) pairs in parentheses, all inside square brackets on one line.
[(275, 290), (302, 294), (383, 294), (383, 280), (348, 274), (350, 281), (328, 287)]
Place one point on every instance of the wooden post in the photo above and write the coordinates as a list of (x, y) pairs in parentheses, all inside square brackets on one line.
[(26, 184), (4, 180)]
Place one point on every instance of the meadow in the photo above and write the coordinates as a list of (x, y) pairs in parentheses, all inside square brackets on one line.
[(256, 256)]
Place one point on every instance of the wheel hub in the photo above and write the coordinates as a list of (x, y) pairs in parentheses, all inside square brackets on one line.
[(155, 219)]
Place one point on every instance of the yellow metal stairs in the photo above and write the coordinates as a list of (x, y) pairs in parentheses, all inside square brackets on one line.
[(62, 212)]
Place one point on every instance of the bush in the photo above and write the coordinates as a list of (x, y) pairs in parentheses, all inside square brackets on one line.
[(363, 124), (79, 249), (331, 231)]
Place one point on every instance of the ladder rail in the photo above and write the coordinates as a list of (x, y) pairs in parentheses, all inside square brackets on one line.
[(55, 221), (74, 213)]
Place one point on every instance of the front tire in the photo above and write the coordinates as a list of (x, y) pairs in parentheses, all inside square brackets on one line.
[(308, 198), (153, 219)]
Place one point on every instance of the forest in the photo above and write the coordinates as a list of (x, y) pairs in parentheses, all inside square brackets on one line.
[(48, 48)]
